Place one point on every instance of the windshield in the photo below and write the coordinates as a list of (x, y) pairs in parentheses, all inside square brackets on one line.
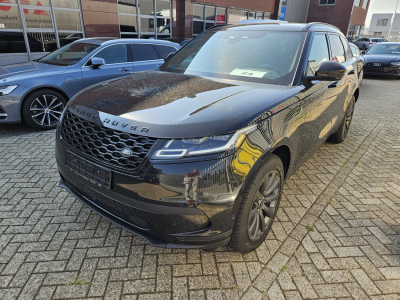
[(254, 56), (69, 54), (385, 49)]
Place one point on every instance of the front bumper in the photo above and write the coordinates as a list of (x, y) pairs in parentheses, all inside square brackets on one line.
[(384, 70), (10, 106), (158, 204)]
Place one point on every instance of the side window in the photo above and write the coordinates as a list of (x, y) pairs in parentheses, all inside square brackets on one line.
[(346, 46), (319, 53), (142, 52), (337, 49), (354, 50), (164, 50), (114, 54)]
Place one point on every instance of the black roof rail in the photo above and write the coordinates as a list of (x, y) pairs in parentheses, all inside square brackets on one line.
[(309, 25)]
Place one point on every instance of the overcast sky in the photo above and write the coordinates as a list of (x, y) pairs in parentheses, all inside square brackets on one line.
[(380, 6)]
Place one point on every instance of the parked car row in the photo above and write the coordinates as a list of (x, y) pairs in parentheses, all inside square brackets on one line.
[(189, 146), (38, 91)]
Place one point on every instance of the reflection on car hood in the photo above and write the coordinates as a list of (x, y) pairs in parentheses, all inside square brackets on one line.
[(178, 106), (28, 69), (381, 58)]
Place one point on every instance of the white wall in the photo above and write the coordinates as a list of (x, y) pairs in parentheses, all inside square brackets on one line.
[(375, 28)]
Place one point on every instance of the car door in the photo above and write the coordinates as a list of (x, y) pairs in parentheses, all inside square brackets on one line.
[(357, 54), (318, 118), (341, 53), (118, 63), (145, 57)]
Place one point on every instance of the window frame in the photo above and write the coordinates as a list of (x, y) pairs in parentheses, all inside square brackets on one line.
[(133, 52), (330, 46), (326, 3), (383, 21), (129, 54), (311, 44)]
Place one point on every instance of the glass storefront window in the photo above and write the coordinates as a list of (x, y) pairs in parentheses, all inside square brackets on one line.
[(66, 38), (5, 2), (38, 18), (163, 25), (251, 15), (243, 15), (198, 27), (42, 41), (259, 15), (36, 2), (9, 17), (210, 13), (12, 42), (127, 23), (220, 16), (146, 7), (66, 3), (198, 12), (68, 20), (147, 36), (127, 6), (146, 25), (129, 36), (162, 9)]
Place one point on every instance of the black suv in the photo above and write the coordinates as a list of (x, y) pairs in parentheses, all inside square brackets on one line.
[(195, 155)]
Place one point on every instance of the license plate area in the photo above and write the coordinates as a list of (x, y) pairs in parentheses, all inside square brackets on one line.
[(88, 170)]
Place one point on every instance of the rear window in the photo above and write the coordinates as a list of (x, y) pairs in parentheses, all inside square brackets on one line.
[(375, 40), (143, 52), (164, 50)]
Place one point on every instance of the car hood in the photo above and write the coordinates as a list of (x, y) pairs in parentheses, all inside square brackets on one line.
[(168, 105), (26, 70), (381, 58)]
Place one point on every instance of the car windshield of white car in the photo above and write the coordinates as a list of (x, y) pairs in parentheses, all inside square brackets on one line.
[(69, 54), (384, 49), (255, 56)]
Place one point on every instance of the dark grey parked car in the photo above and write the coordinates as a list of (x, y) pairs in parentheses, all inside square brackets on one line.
[(38, 91)]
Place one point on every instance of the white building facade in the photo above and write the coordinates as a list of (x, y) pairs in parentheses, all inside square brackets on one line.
[(380, 26)]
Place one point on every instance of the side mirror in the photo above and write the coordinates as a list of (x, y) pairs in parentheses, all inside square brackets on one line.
[(97, 62), (168, 56), (328, 71)]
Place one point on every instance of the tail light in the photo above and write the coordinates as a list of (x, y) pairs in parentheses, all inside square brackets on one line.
[(371, 43)]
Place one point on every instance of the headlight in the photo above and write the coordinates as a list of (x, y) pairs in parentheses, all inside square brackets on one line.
[(397, 63), (6, 89), (206, 145)]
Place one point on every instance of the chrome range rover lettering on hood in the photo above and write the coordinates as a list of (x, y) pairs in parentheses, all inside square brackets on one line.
[(161, 104)]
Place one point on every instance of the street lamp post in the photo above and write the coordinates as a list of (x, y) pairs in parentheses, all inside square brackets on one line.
[(394, 16)]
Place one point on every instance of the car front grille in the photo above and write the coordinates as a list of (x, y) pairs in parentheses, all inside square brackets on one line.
[(105, 143)]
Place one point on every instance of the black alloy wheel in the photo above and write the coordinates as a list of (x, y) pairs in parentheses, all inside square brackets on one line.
[(258, 207), (340, 135), (42, 110), (347, 118), (264, 205), (364, 47)]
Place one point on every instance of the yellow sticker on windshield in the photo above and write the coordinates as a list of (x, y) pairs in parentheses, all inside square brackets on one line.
[(248, 73)]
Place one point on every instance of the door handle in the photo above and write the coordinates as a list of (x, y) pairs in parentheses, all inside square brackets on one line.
[(332, 85), (352, 72), (125, 69)]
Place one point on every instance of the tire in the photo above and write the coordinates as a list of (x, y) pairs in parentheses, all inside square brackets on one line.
[(340, 135), (364, 47), (42, 109), (248, 234)]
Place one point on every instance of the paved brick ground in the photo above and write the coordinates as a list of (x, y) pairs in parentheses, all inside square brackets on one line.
[(337, 234)]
